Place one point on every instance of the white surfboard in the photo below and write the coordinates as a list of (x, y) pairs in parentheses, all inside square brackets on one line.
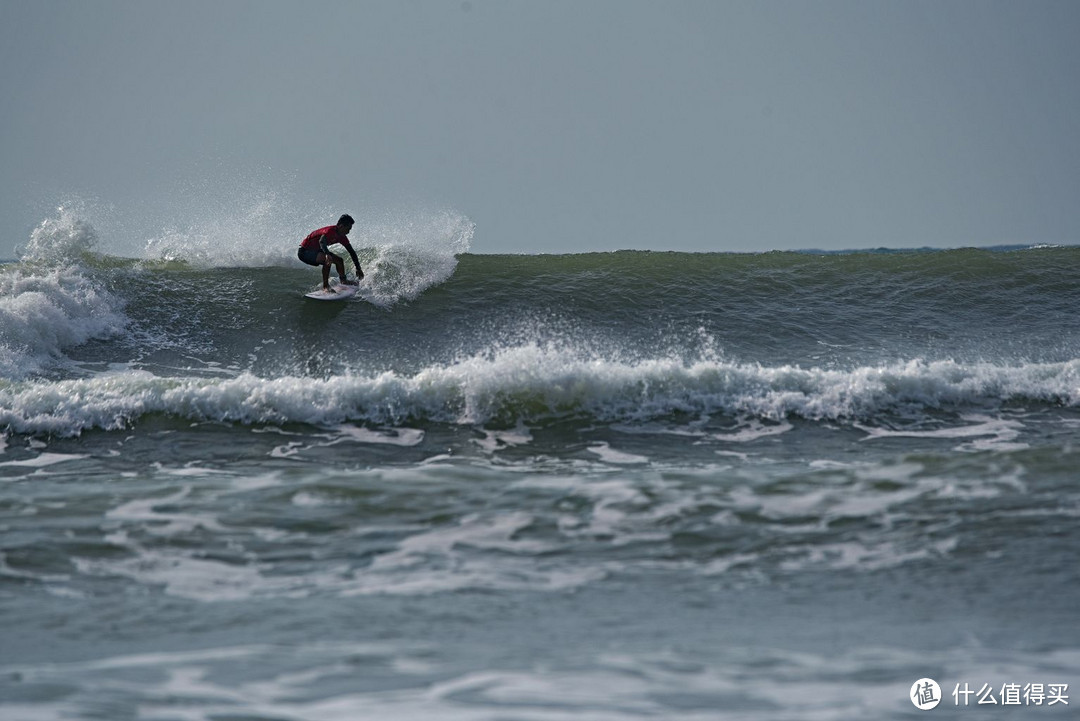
[(337, 292)]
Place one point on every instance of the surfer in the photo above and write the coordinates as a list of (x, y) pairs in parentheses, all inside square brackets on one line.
[(315, 250)]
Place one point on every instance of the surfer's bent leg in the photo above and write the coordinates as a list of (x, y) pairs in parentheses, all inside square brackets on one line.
[(340, 265), (325, 271), (318, 258)]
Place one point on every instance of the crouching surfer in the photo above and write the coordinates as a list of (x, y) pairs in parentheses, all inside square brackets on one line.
[(315, 250)]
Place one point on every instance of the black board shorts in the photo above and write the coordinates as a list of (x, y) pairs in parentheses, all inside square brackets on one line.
[(308, 255)]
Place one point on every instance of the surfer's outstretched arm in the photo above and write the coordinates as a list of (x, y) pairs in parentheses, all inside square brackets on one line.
[(355, 262)]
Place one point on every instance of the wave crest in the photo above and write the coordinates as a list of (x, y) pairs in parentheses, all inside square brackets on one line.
[(61, 240), (406, 258), (47, 304), (533, 383)]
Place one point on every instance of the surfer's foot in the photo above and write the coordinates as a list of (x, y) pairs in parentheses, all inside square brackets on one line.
[(349, 282)]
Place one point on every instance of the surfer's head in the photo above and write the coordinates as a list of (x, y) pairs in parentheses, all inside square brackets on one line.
[(345, 222)]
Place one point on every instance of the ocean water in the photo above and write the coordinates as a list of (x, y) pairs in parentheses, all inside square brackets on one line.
[(633, 485)]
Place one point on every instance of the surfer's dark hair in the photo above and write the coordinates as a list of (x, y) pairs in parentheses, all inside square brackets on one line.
[(346, 220)]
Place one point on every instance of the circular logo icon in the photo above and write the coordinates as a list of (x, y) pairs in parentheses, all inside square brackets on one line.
[(925, 694)]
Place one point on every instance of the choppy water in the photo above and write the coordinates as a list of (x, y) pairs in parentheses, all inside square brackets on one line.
[(602, 486)]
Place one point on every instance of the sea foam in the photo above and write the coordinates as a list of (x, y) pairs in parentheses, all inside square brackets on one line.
[(47, 302), (406, 257), (533, 382)]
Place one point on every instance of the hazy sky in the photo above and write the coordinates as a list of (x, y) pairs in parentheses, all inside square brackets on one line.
[(560, 126)]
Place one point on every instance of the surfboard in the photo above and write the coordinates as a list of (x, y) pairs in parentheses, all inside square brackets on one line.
[(337, 292)]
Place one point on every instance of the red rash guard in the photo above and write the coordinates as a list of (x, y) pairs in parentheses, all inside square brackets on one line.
[(332, 236)]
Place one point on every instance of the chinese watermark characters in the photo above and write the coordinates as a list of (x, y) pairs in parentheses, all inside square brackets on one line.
[(926, 694)]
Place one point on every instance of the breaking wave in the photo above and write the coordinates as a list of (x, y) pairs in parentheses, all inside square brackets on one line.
[(47, 302), (532, 383)]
